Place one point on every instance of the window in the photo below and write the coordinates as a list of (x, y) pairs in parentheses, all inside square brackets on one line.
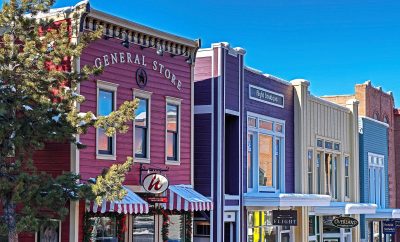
[(172, 130), (328, 145), (265, 144), (319, 172), (143, 228), (177, 227), (141, 128), (376, 179), (331, 175), (320, 143), (376, 116), (347, 177), (260, 226), (313, 228), (103, 228), (201, 229), (386, 119), (310, 170), (49, 231), (336, 146), (106, 103)]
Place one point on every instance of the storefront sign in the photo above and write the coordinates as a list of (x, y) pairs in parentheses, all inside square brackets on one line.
[(155, 183), (284, 217), (266, 96), (389, 227), (397, 222), (138, 60), (345, 222), (157, 199)]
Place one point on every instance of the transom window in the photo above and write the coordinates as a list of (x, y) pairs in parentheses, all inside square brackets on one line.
[(265, 143), (376, 179)]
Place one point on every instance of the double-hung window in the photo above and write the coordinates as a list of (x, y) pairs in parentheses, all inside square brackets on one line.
[(265, 149), (310, 170), (347, 177), (142, 126), (376, 179), (106, 103), (173, 130)]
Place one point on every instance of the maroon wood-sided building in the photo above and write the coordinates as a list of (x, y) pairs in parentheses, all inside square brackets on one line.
[(157, 69)]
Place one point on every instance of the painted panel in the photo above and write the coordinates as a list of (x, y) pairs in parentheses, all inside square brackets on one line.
[(202, 77), (232, 72), (124, 75)]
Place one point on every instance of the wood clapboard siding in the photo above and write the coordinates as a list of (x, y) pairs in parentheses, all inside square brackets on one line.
[(202, 84), (232, 71), (124, 74)]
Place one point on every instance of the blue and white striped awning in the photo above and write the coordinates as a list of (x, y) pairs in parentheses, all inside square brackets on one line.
[(131, 204), (183, 197)]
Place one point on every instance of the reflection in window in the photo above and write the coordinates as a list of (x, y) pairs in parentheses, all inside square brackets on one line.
[(265, 161), (319, 172), (260, 227), (141, 128), (49, 231), (172, 132), (104, 229), (105, 107), (250, 159), (310, 170), (346, 177), (143, 228), (265, 125)]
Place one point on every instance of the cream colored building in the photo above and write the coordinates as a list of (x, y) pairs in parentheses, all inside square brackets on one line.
[(327, 162)]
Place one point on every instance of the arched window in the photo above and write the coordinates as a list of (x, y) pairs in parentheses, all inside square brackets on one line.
[(386, 119), (376, 115)]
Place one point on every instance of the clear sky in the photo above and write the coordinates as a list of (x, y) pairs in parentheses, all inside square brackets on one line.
[(333, 44)]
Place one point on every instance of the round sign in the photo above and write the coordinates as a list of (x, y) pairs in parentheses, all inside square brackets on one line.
[(155, 183), (141, 77), (345, 222)]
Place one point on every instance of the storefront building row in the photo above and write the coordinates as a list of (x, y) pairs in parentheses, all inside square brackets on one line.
[(156, 68), (327, 162)]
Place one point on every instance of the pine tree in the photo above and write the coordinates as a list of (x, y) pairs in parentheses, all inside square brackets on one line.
[(38, 105)]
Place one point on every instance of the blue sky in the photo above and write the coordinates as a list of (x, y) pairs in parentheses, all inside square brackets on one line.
[(333, 44)]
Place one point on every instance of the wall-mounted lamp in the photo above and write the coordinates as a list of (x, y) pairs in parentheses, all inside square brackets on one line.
[(160, 51), (189, 60)]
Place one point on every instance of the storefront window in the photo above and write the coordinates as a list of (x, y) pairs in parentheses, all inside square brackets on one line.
[(328, 225), (176, 229), (347, 176), (141, 128), (376, 179), (104, 229), (319, 173), (264, 153), (49, 231), (143, 228), (310, 170), (260, 228), (331, 175)]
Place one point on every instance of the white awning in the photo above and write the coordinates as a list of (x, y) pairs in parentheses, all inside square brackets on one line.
[(338, 208), (183, 197), (385, 213), (285, 200), (131, 204)]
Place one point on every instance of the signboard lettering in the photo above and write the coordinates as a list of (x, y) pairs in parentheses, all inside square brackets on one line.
[(389, 227), (155, 183), (139, 60), (266, 96), (284, 217), (345, 222), (157, 199)]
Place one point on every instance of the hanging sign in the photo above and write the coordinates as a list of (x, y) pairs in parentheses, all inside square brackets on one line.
[(345, 222), (155, 183), (389, 227), (284, 217)]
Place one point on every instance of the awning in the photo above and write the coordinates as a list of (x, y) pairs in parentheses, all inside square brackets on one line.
[(131, 204), (385, 213), (183, 197), (338, 208), (285, 200)]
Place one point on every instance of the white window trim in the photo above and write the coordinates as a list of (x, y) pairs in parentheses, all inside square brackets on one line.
[(59, 228), (346, 198), (108, 86), (279, 179), (382, 188), (137, 93), (177, 102)]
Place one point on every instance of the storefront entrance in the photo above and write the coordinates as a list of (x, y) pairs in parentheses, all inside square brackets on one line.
[(334, 234)]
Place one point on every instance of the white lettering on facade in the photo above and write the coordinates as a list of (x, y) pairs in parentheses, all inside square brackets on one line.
[(106, 62), (137, 60), (129, 57), (155, 65), (97, 62), (114, 59), (121, 57)]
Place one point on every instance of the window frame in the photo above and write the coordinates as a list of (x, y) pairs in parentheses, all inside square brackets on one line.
[(278, 166), (346, 177), (176, 102), (141, 94), (310, 171), (376, 169), (109, 87)]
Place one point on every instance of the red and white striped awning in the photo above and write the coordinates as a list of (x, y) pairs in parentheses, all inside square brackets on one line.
[(131, 204), (183, 197)]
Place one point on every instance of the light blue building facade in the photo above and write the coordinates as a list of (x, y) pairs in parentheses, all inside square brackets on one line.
[(373, 140)]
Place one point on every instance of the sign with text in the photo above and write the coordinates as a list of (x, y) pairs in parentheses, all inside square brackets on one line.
[(284, 217), (157, 199), (266, 96), (155, 183), (345, 222), (389, 227)]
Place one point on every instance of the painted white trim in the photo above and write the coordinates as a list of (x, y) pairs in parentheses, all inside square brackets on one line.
[(263, 101), (212, 222), (177, 102), (385, 213), (203, 109), (231, 197), (285, 199), (204, 53), (192, 127), (137, 93), (112, 87), (374, 120), (338, 208), (220, 229), (232, 112), (231, 208)]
